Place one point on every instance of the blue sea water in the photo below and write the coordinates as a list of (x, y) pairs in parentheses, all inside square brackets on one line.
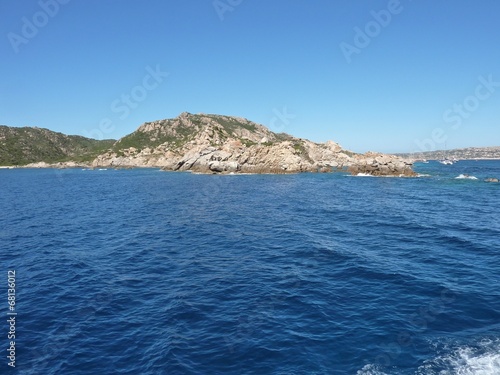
[(150, 272)]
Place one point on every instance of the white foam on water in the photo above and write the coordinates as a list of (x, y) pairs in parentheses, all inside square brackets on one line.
[(465, 177), (364, 175), (481, 359), (370, 370)]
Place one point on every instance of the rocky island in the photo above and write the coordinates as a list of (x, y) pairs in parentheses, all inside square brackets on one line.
[(205, 143)]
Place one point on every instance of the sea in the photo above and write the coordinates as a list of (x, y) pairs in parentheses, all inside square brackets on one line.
[(150, 272)]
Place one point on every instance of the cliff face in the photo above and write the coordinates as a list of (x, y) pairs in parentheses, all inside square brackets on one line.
[(222, 144), (20, 146)]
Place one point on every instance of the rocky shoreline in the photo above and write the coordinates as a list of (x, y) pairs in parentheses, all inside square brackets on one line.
[(375, 165), (277, 159), (215, 144), (222, 144)]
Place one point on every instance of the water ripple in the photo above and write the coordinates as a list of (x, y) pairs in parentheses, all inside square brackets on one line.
[(142, 272)]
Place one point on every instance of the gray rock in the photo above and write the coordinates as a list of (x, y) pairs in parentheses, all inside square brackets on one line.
[(216, 166), (232, 166)]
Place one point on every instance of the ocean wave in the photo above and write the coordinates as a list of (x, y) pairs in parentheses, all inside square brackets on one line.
[(370, 175), (482, 358), (478, 359), (465, 177), (370, 370), (305, 274)]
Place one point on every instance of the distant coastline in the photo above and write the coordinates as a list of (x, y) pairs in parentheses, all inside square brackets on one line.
[(469, 153)]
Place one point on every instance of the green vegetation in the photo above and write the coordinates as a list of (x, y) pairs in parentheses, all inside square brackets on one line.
[(299, 147), (20, 146), (136, 139), (175, 135), (178, 134), (283, 137), (349, 153), (141, 140), (248, 142), (230, 124)]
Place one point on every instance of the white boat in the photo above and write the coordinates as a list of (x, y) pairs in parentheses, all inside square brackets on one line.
[(445, 160)]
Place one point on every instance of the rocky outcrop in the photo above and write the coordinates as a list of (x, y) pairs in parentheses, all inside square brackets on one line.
[(381, 165), (223, 144)]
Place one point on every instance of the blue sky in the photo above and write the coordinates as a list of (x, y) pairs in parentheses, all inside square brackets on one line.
[(390, 76)]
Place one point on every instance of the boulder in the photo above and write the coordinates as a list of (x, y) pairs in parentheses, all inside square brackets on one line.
[(232, 166), (216, 166)]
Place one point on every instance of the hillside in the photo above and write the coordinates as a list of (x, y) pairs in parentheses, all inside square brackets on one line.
[(208, 143), (175, 133), (203, 143), (460, 154), (20, 146)]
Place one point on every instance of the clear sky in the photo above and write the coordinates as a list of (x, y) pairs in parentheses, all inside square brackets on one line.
[(389, 76)]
